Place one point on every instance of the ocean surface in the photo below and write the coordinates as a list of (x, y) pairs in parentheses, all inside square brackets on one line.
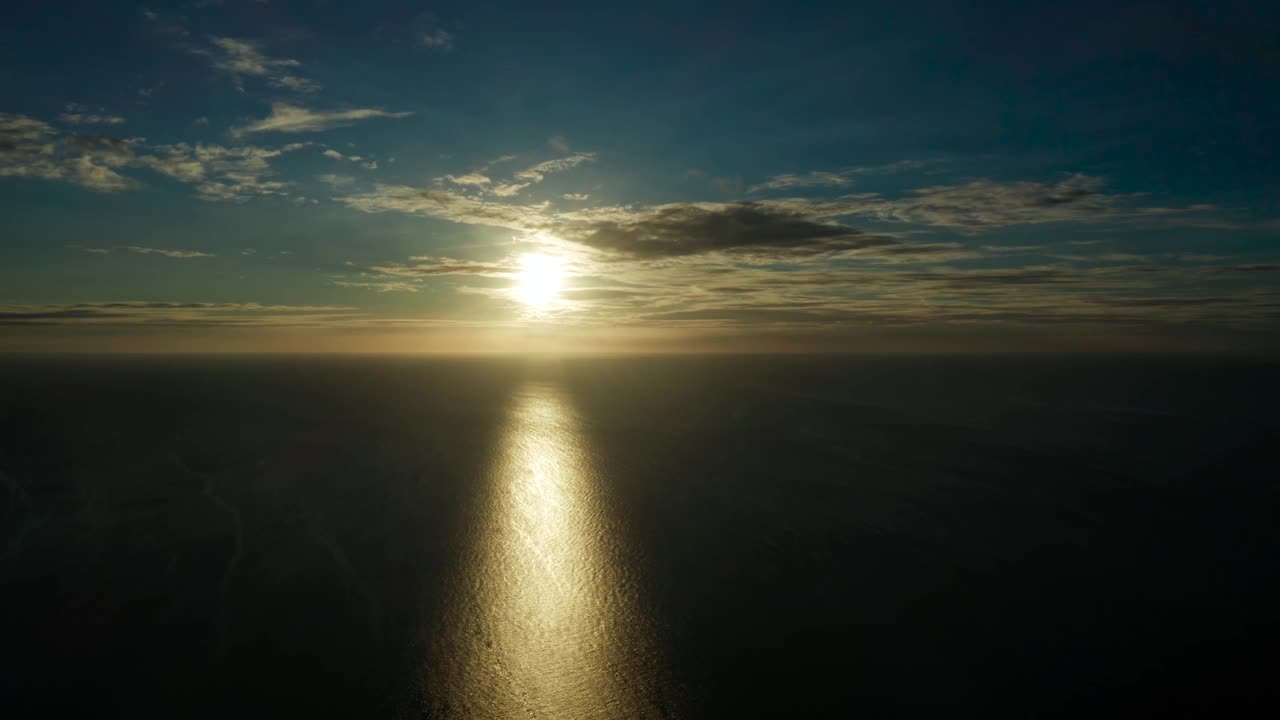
[(792, 537)]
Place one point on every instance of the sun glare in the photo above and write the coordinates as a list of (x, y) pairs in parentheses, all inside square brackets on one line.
[(539, 279)]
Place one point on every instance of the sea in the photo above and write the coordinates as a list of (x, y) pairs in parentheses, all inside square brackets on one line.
[(638, 537)]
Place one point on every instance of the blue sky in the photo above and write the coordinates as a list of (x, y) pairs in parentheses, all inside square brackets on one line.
[(374, 176)]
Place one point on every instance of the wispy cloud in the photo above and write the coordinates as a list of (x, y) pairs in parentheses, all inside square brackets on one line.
[(335, 180), (790, 181), (423, 266), (288, 118), (242, 58), (841, 178), (470, 179), (335, 155), (539, 172), (77, 114), (383, 286), (990, 203), (175, 314), (178, 254), (437, 39)]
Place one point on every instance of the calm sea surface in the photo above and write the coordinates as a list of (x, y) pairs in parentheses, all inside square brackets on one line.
[(637, 538)]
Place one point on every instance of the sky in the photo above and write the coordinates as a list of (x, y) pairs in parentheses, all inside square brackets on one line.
[(245, 175)]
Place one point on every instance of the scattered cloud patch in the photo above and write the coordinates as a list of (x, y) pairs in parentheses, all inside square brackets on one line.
[(991, 204), (33, 149), (242, 59), (288, 118), (77, 114), (221, 173), (335, 155)]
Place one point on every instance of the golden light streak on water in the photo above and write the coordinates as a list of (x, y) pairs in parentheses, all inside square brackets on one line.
[(545, 621)]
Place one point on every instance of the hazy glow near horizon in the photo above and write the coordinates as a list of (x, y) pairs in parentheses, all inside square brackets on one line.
[(539, 280)]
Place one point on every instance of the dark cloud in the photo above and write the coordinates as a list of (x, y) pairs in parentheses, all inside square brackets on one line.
[(431, 266), (987, 278), (1258, 267), (692, 229), (173, 314), (102, 144)]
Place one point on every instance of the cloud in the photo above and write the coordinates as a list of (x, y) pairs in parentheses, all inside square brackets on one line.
[(423, 266), (1252, 268), (179, 254), (31, 148), (558, 143), (77, 114), (145, 93), (538, 172), (914, 252), (120, 149), (576, 196), (447, 205), (471, 179), (436, 40), (221, 173), (674, 230), (693, 228), (242, 58), (812, 179), (509, 189), (168, 314), (91, 174), (335, 155), (531, 175), (335, 180), (842, 178), (17, 129), (990, 204), (382, 286), (292, 118), (498, 161)]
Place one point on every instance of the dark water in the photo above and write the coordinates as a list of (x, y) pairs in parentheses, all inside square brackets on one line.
[(692, 538)]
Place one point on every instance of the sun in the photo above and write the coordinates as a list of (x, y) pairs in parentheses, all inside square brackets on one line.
[(539, 279)]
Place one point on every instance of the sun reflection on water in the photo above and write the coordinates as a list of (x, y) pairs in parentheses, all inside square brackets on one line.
[(545, 621)]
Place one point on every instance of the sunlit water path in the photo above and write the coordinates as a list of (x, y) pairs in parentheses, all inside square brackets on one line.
[(544, 619)]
